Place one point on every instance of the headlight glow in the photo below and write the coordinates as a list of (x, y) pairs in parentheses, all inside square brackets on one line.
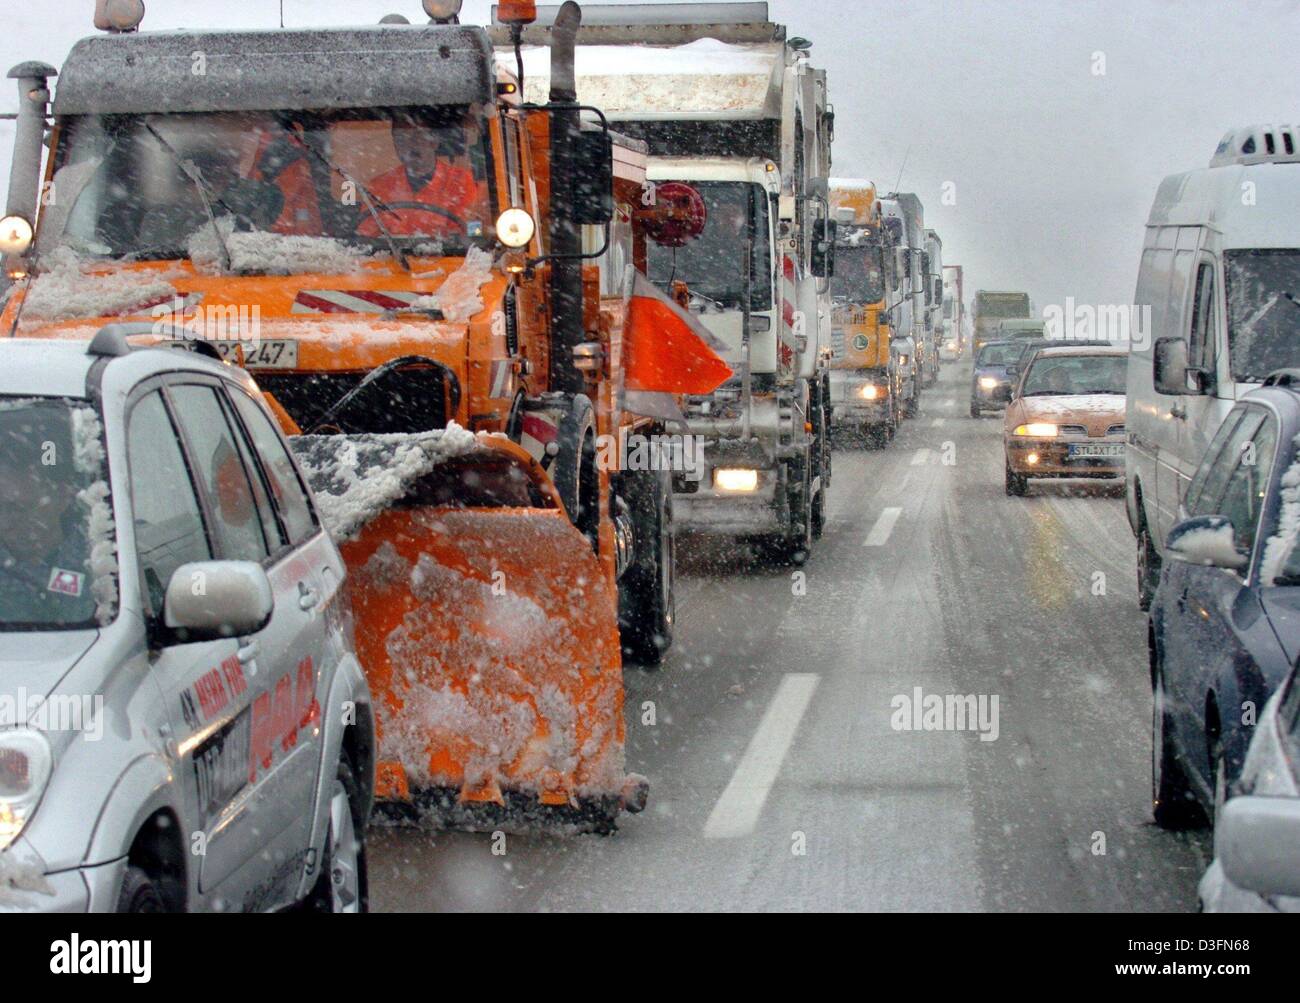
[(735, 479), (988, 382), (515, 228), (1036, 430), (15, 235), (25, 762), (869, 392)]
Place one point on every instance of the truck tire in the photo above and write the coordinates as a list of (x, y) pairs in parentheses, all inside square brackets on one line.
[(574, 468), (913, 407), (647, 593), (794, 546)]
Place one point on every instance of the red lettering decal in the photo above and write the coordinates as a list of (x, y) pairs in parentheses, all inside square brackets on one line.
[(260, 745), (305, 694), (284, 729), (234, 674)]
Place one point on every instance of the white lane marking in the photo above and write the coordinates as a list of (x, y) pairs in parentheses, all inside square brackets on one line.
[(737, 810), (936, 423), (879, 534), (922, 456)]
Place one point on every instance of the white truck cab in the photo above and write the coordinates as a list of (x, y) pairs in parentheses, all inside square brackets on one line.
[(1217, 309)]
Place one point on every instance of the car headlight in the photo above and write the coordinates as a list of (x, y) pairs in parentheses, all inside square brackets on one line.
[(1037, 430), (869, 392), (988, 382), (736, 479), (25, 761)]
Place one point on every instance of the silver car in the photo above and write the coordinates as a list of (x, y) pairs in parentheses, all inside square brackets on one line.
[(183, 721)]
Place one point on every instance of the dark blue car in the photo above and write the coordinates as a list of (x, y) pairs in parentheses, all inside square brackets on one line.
[(1225, 621), (990, 386)]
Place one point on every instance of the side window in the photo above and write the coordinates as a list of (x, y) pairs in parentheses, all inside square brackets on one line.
[(1224, 463), (1201, 347), (287, 489), (1243, 500), (164, 509), (221, 471), (1194, 489)]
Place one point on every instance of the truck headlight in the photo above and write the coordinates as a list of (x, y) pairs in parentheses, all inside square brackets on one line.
[(25, 762), (736, 479), (515, 228), (1036, 430), (869, 392), (988, 383), (903, 360), (15, 235)]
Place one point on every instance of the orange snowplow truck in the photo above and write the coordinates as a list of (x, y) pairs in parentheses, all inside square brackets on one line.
[(439, 291)]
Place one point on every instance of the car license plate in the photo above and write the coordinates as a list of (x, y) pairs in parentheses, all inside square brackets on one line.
[(277, 354), (1093, 450)]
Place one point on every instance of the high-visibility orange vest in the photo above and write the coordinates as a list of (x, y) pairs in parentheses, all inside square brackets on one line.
[(451, 188)]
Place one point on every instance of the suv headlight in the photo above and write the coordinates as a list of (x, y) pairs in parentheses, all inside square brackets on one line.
[(25, 762)]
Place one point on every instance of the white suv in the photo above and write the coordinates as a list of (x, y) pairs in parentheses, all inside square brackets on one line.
[(183, 721)]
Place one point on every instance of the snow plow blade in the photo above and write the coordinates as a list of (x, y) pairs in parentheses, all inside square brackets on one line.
[(487, 633)]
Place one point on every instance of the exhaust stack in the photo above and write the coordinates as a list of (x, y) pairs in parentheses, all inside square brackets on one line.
[(565, 234)]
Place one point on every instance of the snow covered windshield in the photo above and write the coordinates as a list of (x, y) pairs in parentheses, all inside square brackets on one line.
[(1053, 375), (712, 265), (56, 531), (144, 185), (859, 276), (1263, 295)]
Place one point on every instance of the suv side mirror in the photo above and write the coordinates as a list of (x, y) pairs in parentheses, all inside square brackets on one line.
[(823, 248), (1209, 540), (593, 182), (211, 600), (1258, 843), (1170, 372)]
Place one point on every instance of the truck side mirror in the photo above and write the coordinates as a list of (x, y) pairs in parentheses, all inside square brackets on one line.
[(823, 249), (593, 182), (1170, 372)]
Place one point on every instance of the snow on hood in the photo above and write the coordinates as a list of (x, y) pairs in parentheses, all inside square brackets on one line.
[(458, 297), (35, 663), (272, 253), (1074, 404), (355, 477), (67, 289)]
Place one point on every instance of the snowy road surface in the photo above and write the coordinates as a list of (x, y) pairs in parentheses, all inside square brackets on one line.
[(778, 778)]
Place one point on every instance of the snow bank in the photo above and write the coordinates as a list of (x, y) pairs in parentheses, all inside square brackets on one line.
[(272, 253), (355, 477), (1280, 546), (20, 882), (458, 298), (65, 289)]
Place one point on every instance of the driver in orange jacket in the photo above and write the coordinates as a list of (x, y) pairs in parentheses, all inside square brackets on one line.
[(433, 172)]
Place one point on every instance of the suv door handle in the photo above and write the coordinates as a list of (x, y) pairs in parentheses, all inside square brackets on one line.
[(247, 652), (307, 596), (1179, 412)]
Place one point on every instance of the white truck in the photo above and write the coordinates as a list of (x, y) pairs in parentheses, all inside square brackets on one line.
[(1217, 310), (733, 108), (954, 312), (934, 323), (902, 215)]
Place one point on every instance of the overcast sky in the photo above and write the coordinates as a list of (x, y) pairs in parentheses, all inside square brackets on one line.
[(1053, 122)]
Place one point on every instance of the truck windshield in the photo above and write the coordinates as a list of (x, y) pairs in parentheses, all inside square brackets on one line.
[(142, 185), (1263, 298), (1009, 306), (52, 511), (859, 277), (713, 265)]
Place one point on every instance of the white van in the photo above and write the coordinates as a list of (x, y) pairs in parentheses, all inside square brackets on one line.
[(1220, 276)]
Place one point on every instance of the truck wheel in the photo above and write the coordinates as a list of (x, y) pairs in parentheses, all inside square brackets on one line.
[(574, 468), (1172, 804), (795, 545), (913, 407), (647, 595), (343, 885), (140, 893)]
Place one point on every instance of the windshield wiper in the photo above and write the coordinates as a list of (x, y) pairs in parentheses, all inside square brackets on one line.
[(191, 170), (368, 197)]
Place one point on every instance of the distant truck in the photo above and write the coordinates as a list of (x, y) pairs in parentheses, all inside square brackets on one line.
[(954, 312), (934, 322), (865, 383), (904, 215), (1216, 312), (994, 307)]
